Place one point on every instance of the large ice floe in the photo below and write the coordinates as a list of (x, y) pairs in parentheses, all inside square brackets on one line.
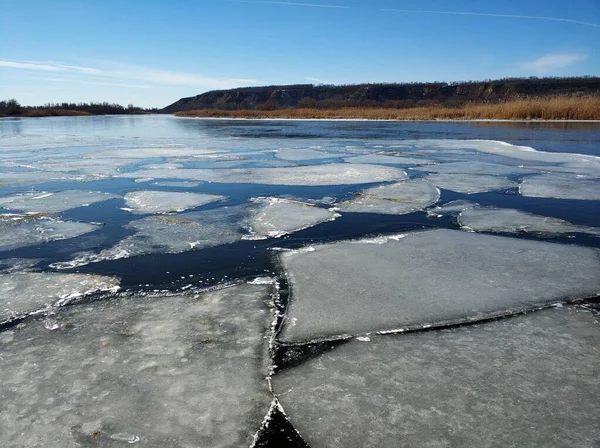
[(471, 183), (428, 278), (507, 220), (328, 174), (26, 292), (388, 160), (561, 186), (163, 371), (147, 202), (49, 202), (274, 217), (298, 154), (476, 168), (529, 380), (393, 199), (21, 230)]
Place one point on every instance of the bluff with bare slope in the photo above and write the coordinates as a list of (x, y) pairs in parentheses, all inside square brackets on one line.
[(386, 95)]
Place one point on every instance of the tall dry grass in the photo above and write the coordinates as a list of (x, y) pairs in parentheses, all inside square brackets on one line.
[(555, 108)]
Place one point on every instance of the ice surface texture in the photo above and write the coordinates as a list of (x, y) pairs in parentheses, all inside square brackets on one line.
[(277, 217), (515, 221), (561, 186), (174, 371), (25, 292), (26, 230), (53, 202), (329, 174), (428, 278), (529, 380), (146, 202), (395, 199), (468, 183)]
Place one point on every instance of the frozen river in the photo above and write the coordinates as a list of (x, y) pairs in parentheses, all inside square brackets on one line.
[(190, 282)]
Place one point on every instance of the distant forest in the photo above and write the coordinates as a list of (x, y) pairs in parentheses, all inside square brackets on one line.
[(12, 108), (392, 96)]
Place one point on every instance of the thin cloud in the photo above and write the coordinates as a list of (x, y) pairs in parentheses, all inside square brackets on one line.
[(289, 4), (135, 73), (482, 14), (319, 81), (94, 82), (551, 62)]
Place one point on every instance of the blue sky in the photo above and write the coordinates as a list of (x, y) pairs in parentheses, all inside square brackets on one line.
[(151, 52)]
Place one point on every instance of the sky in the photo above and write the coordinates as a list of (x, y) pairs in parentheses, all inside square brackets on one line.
[(152, 52)]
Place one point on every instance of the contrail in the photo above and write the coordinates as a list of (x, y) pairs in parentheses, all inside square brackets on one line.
[(289, 3), (483, 14)]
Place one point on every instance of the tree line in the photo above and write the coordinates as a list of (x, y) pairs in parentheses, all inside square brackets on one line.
[(12, 108)]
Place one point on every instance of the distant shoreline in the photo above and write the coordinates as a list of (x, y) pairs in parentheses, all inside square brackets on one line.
[(531, 109)]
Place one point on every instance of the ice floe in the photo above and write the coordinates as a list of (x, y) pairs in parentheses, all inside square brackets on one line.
[(50, 202), (530, 380), (25, 292), (146, 202), (561, 186), (452, 208), (159, 371), (506, 220), (328, 174), (471, 183), (276, 217), (428, 278), (171, 234), (393, 199), (27, 178), (26, 230), (474, 167)]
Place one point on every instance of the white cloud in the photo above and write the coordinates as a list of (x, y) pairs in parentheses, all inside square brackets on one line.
[(319, 81), (553, 61), (508, 16), (135, 73)]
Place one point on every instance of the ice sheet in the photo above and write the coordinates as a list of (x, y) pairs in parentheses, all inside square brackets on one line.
[(50, 202), (25, 292), (329, 174), (428, 278), (146, 202), (172, 234), (561, 186), (530, 380), (507, 220), (148, 153), (30, 230), (477, 168), (276, 217), (297, 154), (394, 199), (470, 183), (389, 160), (174, 371), (27, 178)]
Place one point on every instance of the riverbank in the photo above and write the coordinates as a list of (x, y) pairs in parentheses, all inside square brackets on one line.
[(562, 108)]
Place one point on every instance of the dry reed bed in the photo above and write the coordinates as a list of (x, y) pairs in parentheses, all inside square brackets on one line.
[(569, 108)]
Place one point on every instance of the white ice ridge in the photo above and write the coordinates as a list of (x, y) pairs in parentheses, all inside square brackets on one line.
[(476, 168), (146, 202), (530, 380), (393, 199), (328, 174), (507, 220), (152, 152), (18, 230), (470, 183), (452, 208), (561, 186), (25, 292), (53, 202), (172, 371), (428, 278), (171, 234), (276, 217)]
